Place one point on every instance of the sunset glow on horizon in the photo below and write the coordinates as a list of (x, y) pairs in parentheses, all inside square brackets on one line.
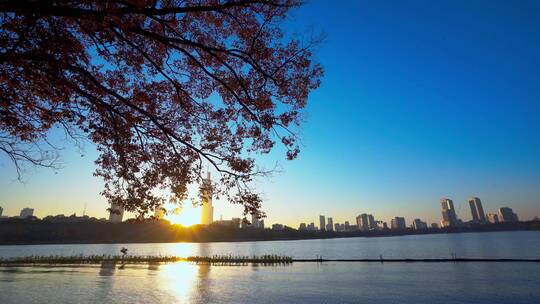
[(184, 215)]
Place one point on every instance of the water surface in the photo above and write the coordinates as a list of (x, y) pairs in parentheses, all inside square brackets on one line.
[(331, 282), (515, 244)]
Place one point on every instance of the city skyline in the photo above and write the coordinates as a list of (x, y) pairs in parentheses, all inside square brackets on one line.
[(386, 130), (363, 222)]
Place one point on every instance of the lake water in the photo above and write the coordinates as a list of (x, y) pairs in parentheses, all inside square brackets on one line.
[(331, 282)]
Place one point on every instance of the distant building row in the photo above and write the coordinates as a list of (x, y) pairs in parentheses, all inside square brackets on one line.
[(450, 219)]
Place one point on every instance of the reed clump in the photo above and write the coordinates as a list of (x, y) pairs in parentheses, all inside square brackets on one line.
[(138, 259)]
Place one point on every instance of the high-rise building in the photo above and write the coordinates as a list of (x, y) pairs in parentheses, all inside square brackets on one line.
[(1, 210), (338, 227), (347, 226), (506, 214), (207, 212), (371, 222), (477, 211), (116, 213), (362, 222), (398, 223), (492, 218), (330, 225), (311, 227), (26, 212), (449, 217), (255, 223), (322, 222), (302, 227), (261, 224), (235, 222), (419, 224)]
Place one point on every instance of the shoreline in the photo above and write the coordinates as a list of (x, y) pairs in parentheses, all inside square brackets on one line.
[(316, 236)]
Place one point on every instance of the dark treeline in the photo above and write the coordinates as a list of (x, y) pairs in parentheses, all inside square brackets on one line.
[(18, 231)]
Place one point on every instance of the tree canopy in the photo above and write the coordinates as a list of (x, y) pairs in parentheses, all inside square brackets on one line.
[(163, 88)]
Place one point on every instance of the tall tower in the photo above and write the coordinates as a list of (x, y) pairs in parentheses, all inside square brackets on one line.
[(477, 211), (362, 222), (330, 225), (207, 214), (116, 214), (448, 213), (322, 223)]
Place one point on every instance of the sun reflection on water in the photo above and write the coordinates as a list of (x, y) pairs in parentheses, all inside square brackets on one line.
[(180, 279)]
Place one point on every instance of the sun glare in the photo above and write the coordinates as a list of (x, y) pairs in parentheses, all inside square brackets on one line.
[(185, 216)]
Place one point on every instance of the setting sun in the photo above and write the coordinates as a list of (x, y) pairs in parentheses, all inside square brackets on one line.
[(185, 216)]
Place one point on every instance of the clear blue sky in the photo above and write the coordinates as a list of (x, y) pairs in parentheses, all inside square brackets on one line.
[(420, 100)]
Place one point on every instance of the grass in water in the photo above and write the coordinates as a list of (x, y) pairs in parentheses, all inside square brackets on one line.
[(132, 259)]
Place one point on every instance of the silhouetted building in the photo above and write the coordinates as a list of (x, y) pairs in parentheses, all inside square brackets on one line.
[(419, 224), (506, 214), (236, 222), (244, 223), (26, 212), (337, 227), (398, 223), (347, 226), (330, 225), (207, 212), (311, 227), (233, 223), (477, 211), (1, 210), (434, 226), (302, 227), (492, 218), (322, 222), (449, 217), (261, 224)]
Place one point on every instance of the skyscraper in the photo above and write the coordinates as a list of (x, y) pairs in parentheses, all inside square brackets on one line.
[(1, 210), (477, 211), (116, 213), (254, 221), (330, 226), (207, 212), (322, 223), (418, 224), (449, 217), (506, 214), (371, 222), (362, 222), (398, 223)]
